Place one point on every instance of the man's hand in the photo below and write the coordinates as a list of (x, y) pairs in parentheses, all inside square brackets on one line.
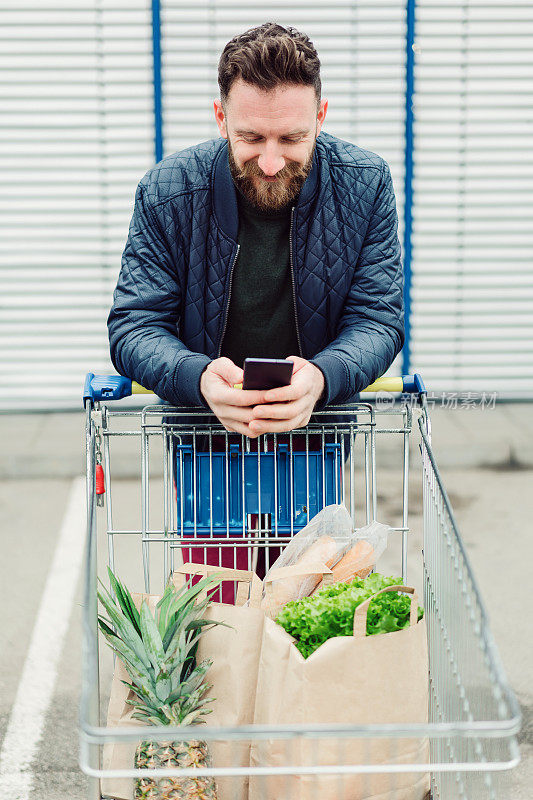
[(288, 407), (233, 407)]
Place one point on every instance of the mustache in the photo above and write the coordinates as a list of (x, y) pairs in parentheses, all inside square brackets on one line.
[(251, 169)]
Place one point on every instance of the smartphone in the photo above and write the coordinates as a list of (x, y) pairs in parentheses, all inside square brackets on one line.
[(266, 373)]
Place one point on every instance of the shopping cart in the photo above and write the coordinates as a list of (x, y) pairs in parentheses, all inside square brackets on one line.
[(235, 497)]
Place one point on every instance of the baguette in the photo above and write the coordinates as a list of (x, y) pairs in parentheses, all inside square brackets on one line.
[(323, 550), (358, 562)]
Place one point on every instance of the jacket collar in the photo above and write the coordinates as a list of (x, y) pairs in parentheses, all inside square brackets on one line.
[(225, 199)]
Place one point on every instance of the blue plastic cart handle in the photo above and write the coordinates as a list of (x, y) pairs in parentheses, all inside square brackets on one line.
[(414, 384), (105, 387), (115, 387)]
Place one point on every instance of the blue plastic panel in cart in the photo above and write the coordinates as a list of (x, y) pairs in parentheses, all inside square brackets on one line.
[(209, 484)]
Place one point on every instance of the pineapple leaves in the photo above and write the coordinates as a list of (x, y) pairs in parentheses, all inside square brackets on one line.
[(127, 654), (201, 623), (144, 692), (125, 601), (104, 627), (163, 686), (180, 606), (150, 718), (124, 626), (151, 637), (192, 684), (195, 679), (190, 592), (181, 628), (164, 607), (159, 650)]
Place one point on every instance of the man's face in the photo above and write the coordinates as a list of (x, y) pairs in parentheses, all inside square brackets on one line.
[(271, 139)]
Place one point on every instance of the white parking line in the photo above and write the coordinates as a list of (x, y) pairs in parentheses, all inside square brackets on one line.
[(38, 678)]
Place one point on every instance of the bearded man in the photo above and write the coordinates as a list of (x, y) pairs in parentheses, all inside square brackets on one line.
[(275, 240)]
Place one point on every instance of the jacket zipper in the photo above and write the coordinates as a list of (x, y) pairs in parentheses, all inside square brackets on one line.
[(294, 284), (229, 298)]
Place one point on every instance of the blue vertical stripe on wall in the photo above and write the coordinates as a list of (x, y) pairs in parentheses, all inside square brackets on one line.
[(156, 51), (408, 180)]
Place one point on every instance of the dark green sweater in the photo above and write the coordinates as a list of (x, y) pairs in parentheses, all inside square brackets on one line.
[(261, 318)]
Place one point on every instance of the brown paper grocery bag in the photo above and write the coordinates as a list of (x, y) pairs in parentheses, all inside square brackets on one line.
[(357, 680), (234, 652)]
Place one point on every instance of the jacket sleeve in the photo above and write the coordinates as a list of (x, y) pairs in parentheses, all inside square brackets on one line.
[(144, 318), (371, 328)]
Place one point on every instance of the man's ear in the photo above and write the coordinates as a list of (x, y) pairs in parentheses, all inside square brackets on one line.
[(220, 118), (321, 116)]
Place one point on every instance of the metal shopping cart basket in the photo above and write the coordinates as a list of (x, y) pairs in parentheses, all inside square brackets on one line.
[(231, 495)]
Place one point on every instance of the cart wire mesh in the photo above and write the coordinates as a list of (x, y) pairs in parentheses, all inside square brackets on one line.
[(232, 497)]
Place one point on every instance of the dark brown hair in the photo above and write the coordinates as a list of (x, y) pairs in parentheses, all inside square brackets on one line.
[(268, 56)]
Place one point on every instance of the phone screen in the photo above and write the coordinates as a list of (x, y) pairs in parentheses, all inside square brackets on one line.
[(266, 373)]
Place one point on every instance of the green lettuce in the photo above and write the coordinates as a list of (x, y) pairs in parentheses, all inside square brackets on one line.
[(330, 612)]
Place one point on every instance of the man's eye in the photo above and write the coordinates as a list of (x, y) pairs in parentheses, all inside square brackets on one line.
[(249, 140)]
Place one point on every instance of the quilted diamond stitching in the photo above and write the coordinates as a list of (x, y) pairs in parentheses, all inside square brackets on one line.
[(349, 278)]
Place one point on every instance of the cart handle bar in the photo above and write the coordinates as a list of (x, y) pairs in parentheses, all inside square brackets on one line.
[(115, 387)]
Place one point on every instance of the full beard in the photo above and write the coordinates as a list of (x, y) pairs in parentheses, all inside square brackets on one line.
[(270, 195)]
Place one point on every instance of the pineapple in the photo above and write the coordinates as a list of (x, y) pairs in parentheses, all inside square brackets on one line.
[(159, 654), (150, 755)]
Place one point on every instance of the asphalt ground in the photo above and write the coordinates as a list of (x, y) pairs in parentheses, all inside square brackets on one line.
[(493, 507)]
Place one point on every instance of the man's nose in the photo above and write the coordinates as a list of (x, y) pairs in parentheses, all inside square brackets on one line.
[(271, 161)]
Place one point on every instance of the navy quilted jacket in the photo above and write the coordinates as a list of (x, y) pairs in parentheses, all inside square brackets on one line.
[(172, 297)]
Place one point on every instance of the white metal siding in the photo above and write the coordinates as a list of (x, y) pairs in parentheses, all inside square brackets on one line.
[(76, 135), (473, 211)]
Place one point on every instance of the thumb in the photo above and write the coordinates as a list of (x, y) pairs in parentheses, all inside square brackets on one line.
[(298, 363), (227, 370)]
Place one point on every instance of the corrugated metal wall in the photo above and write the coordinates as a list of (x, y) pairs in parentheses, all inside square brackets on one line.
[(77, 134), (472, 320)]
